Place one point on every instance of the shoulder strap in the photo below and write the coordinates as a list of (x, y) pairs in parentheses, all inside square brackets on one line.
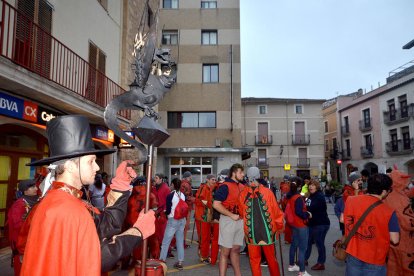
[(359, 222)]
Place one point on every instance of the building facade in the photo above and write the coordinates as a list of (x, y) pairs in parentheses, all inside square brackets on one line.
[(287, 136), (202, 111)]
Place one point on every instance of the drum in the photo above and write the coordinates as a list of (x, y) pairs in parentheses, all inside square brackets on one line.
[(153, 268)]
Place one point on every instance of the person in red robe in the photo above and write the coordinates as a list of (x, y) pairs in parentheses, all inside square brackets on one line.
[(17, 215), (161, 191), (66, 233), (136, 203)]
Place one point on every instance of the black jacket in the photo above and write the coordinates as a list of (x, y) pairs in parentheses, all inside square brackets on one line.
[(316, 204)]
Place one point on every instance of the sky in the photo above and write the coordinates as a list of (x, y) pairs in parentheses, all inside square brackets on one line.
[(318, 49)]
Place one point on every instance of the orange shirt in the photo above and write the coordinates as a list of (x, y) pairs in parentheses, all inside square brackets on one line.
[(371, 242), (232, 201), (205, 192)]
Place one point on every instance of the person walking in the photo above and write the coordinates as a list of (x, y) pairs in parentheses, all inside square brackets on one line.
[(368, 248), (175, 227), (318, 225), (188, 193), (297, 213), (231, 234), (263, 220)]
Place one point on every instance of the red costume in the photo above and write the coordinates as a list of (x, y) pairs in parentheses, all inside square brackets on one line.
[(70, 252), (189, 199), (401, 257), (284, 189), (262, 220), (349, 191), (208, 230), (136, 203), (161, 192), (371, 241)]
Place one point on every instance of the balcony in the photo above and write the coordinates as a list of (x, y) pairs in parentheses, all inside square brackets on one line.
[(345, 131), (365, 125), (303, 163), (262, 163), (400, 147), (26, 44), (398, 115), (367, 151), (334, 154), (301, 139), (346, 154), (263, 140)]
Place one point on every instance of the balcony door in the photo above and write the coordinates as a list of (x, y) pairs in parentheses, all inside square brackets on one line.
[(263, 132), (367, 118), (300, 132), (261, 157), (368, 143), (394, 139)]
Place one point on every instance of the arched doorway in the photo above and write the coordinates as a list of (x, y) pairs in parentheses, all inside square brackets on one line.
[(18, 146), (410, 167), (371, 167)]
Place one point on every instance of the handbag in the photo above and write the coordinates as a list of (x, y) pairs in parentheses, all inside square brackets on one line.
[(339, 247)]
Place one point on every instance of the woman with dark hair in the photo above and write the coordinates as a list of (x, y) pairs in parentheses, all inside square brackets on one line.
[(300, 214), (318, 224), (174, 227)]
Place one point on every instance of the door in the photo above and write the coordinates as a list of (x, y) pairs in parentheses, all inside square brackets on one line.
[(262, 129), (300, 132), (303, 157)]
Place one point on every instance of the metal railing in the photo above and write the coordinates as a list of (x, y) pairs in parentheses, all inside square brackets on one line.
[(367, 151), (262, 163), (365, 125), (25, 43), (400, 146), (303, 162), (300, 139), (345, 131), (263, 140), (398, 115)]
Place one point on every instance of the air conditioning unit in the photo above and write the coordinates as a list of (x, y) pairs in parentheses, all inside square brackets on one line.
[(218, 142)]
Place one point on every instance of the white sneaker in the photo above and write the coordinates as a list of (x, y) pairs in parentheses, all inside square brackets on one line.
[(304, 274), (293, 268)]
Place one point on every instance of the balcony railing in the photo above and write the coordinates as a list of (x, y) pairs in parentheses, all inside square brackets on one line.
[(346, 154), (301, 139), (345, 131), (333, 154), (25, 43), (303, 162), (263, 163), (400, 146), (398, 115), (367, 151), (365, 125), (263, 140)]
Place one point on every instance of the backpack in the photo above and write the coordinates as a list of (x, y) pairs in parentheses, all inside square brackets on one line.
[(289, 214), (181, 210)]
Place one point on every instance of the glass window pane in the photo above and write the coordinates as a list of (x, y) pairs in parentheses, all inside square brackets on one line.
[(207, 119), (4, 167), (175, 172), (214, 73), (206, 73), (190, 120), (207, 160), (25, 172), (175, 160), (174, 4), (206, 171), (213, 38), (196, 161), (186, 161), (204, 38)]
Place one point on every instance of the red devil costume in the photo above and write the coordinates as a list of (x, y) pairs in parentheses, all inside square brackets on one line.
[(161, 192), (66, 233), (262, 220)]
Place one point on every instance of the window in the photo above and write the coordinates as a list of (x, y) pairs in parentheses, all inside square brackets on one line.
[(394, 139), (262, 109), (199, 167), (210, 73), (209, 37), (334, 144), (403, 106), (326, 127), (170, 37), (367, 118), (208, 4), (261, 157), (191, 119), (405, 133), (348, 147), (326, 145), (104, 4), (170, 4), (97, 62), (368, 141), (298, 108), (391, 109), (346, 124)]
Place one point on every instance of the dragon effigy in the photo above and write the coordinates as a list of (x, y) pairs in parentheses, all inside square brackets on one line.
[(401, 256), (155, 73)]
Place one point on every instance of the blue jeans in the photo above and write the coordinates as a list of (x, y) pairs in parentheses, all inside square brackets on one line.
[(317, 234), (356, 267), (299, 239), (174, 227)]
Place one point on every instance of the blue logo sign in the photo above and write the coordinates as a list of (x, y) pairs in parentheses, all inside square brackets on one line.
[(11, 106)]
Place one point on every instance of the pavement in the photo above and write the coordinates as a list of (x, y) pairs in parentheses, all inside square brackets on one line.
[(192, 266)]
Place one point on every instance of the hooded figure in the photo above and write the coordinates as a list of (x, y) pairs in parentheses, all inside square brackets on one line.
[(401, 257)]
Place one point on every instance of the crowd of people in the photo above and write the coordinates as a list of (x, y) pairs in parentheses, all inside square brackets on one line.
[(74, 215)]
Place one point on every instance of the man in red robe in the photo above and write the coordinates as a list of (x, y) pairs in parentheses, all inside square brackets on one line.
[(63, 236)]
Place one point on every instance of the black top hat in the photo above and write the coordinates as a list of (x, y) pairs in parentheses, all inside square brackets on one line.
[(69, 136)]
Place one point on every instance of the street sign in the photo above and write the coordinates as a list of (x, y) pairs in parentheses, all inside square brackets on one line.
[(287, 167)]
